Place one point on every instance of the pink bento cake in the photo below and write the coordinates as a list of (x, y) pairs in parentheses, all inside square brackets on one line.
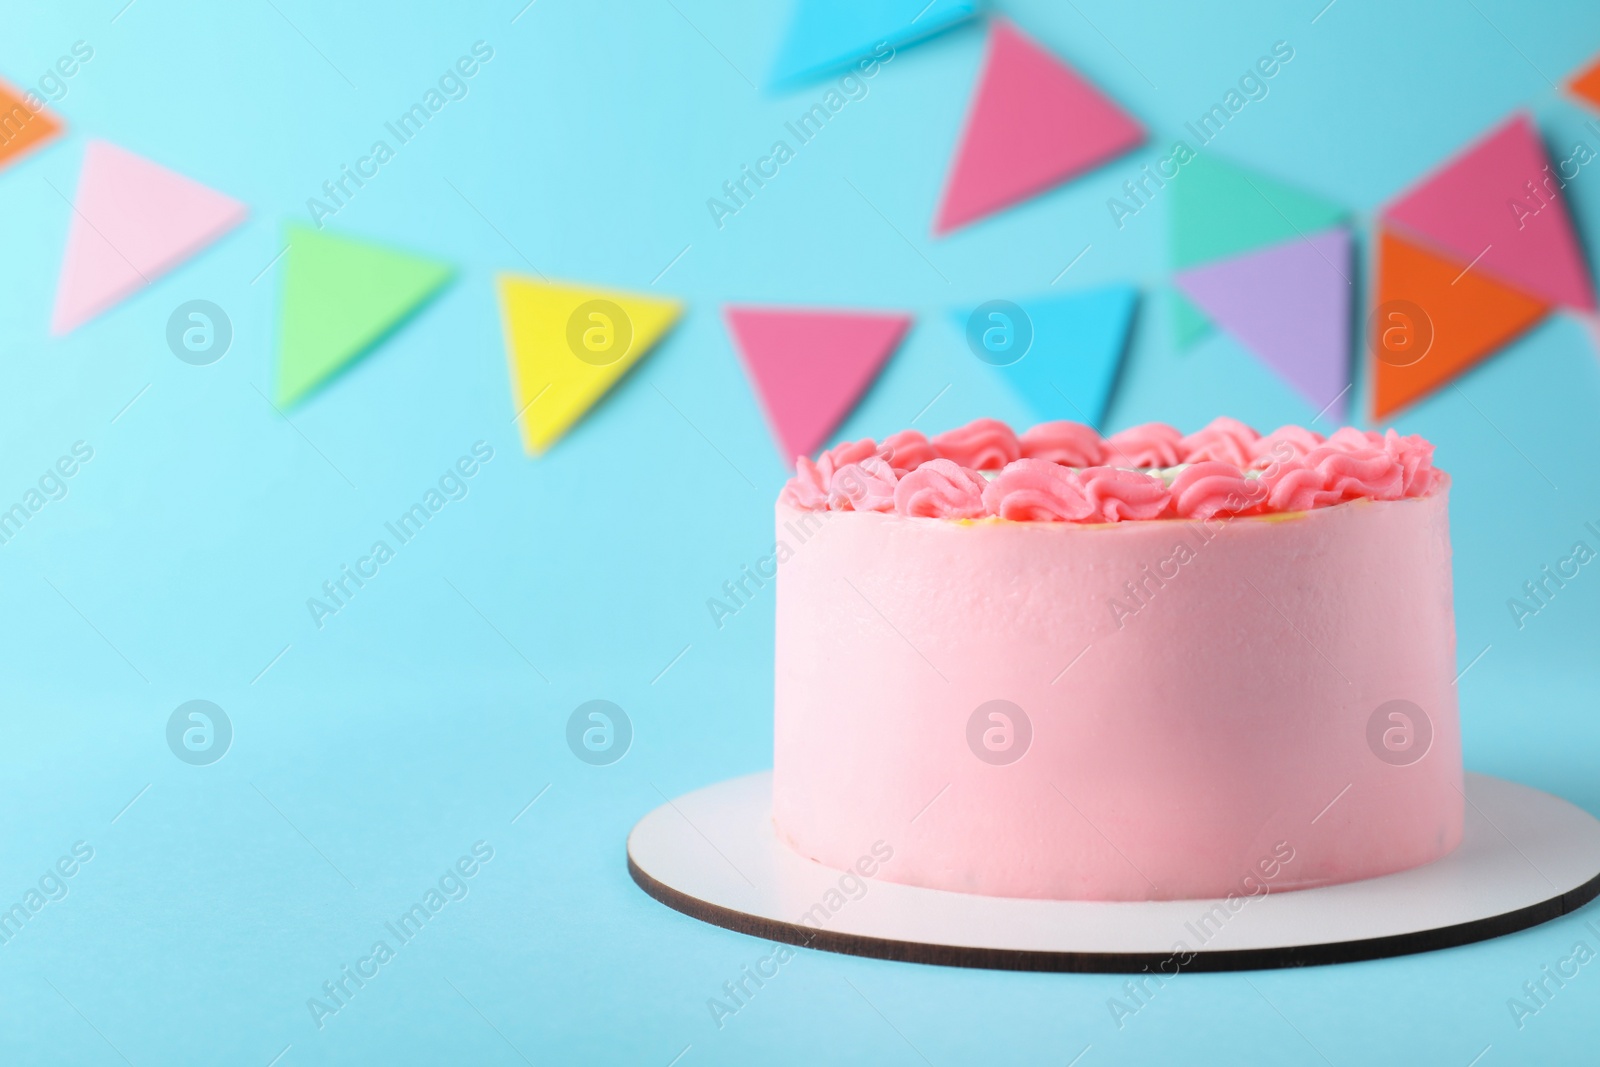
[(1144, 667)]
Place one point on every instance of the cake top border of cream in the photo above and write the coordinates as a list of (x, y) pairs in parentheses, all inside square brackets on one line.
[(1067, 472)]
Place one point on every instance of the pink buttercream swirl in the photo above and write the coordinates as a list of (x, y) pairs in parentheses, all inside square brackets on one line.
[(1369, 472), (1064, 472), (1283, 444), (848, 452), (1332, 474), (1069, 443), (865, 486), (1224, 440), (808, 489), (1353, 440), (1037, 490), (811, 487), (1209, 488), (940, 489), (980, 445), (906, 450), (1415, 456), (1115, 494), (1155, 444)]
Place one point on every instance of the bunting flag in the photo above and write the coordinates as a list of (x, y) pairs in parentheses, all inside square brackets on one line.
[(1289, 304), (1220, 210), (829, 36), (1060, 354), (341, 297), (22, 129), (1034, 123), (1474, 253), (810, 366), (132, 221), (1586, 83), (1499, 207), (568, 345), (1435, 319)]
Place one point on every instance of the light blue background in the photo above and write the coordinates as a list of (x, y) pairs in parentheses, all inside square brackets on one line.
[(378, 749)]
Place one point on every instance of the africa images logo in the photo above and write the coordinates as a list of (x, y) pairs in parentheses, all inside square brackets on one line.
[(599, 732), (199, 733), (1399, 733), (999, 732)]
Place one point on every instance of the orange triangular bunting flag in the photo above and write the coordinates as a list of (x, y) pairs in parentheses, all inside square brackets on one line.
[(1435, 318), (21, 127), (1586, 83)]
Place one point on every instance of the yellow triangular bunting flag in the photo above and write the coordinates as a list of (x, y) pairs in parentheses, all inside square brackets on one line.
[(568, 345)]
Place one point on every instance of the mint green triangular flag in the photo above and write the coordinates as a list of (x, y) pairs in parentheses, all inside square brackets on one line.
[(340, 298)]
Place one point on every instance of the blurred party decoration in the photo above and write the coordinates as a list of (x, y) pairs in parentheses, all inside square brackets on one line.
[(1034, 122), (1433, 320), (1592, 324), (1586, 83), (132, 221), (1498, 206), (810, 366), (568, 345), (1492, 222), (1220, 210), (341, 297), (22, 128), (830, 36), (1059, 353), (1289, 304)]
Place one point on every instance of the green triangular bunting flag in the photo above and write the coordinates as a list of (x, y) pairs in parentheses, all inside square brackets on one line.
[(340, 298), (1221, 210)]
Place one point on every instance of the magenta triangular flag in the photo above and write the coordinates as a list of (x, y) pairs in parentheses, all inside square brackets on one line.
[(132, 221), (1290, 305), (810, 366), (1034, 123), (1498, 207)]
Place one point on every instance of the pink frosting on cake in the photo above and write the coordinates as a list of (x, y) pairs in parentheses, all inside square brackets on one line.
[(940, 489), (1330, 475), (1187, 698), (865, 486), (1209, 488), (1115, 494), (808, 489), (983, 444), (1415, 456), (1291, 469), (1155, 444), (1037, 490), (1284, 443), (907, 450), (1225, 440), (1071, 443)]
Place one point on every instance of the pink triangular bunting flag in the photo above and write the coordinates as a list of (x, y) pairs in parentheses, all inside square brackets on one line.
[(810, 366), (132, 221), (1499, 207), (1290, 305), (1034, 123)]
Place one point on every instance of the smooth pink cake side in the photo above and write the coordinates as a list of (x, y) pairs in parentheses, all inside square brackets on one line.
[(1205, 698)]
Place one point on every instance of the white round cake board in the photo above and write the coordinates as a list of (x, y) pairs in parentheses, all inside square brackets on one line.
[(1526, 857)]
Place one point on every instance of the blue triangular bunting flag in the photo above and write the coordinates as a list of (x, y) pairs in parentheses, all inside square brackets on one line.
[(1059, 353), (827, 36)]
